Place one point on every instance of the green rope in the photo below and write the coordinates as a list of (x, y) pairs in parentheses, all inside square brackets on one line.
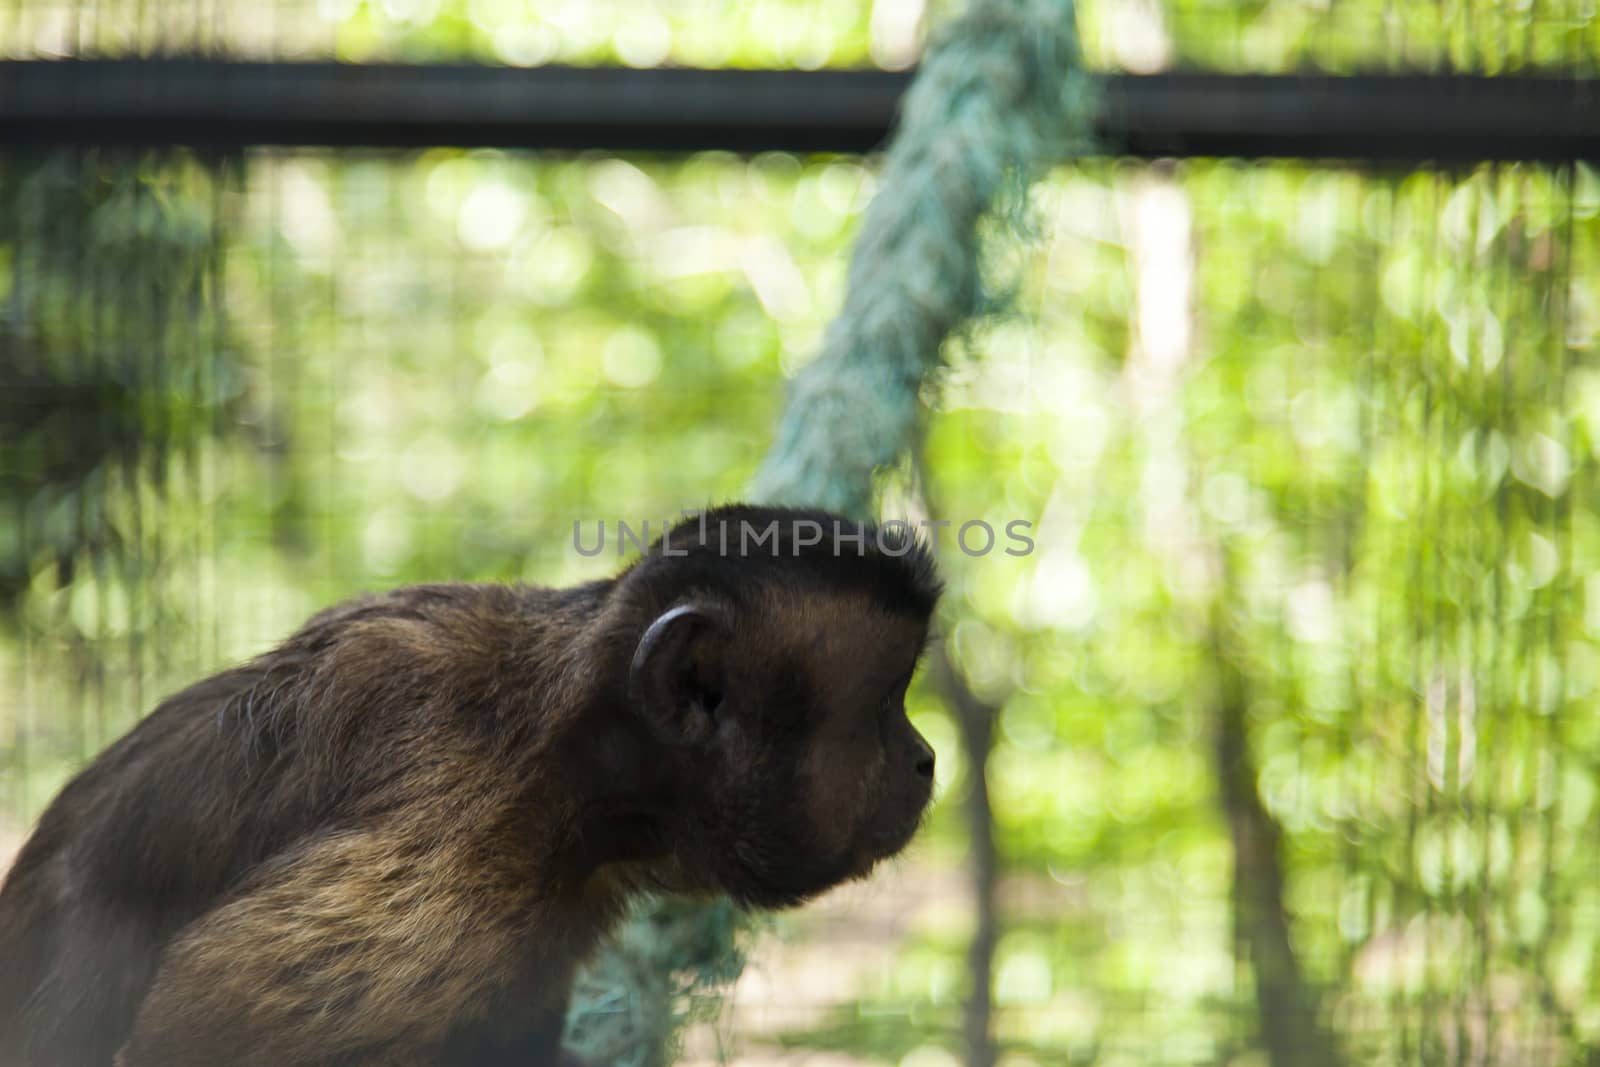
[(666, 966), (1001, 95)]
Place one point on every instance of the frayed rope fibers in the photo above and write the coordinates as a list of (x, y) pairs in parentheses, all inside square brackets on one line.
[(1001, 95)]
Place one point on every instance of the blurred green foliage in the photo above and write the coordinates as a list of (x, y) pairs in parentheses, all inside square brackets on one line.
[(1310, 444), (1349, 413), (1140, 35)]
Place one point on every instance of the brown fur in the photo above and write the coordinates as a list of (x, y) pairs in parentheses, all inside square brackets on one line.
[(394, 838)]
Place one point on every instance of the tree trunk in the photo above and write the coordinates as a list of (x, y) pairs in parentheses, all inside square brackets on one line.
[(975, 720), (1285, 1006)]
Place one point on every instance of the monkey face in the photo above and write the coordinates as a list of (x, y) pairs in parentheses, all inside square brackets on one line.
[(866, 773), (799, 766)]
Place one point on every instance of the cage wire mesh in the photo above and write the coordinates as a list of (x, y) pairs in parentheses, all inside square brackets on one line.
[(1295, 758), (1275, 35)]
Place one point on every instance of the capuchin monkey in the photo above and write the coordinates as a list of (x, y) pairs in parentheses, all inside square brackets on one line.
[(394, 838)]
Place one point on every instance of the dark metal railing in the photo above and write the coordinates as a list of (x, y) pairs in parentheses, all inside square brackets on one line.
[(1408, 118)]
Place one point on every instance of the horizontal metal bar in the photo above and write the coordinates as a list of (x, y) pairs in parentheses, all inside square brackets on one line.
[(216, 104), (1403, 118), (224, 105)]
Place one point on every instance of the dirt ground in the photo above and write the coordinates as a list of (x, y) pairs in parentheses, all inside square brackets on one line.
[(825, 955)]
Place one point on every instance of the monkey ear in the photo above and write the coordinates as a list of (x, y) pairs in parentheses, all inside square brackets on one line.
[(676, 678)]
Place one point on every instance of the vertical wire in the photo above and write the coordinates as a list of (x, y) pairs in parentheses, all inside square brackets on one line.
[(339, 561), (141, 474), (180, 349), (162, 493), (1243, 1017), (1396, 772), (67, 339), (1412, 435), (1343, 554), (21, 716), (1557, 518), (1376, 418), (1491, 667), (210, 343), (1417, 685), (1531, 677), (1461, 666), (104, 371), (268, 385), (15, 173), (1339, 788), (12, 170), (1582, 263), (1429, 619)]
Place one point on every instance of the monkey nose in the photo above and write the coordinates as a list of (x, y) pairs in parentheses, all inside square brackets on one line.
[(925, 761)]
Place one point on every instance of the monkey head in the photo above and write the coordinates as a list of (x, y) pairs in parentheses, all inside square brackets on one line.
[(770, 675)]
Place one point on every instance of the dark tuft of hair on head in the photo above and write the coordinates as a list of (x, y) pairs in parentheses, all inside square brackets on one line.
[(726, 547)]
